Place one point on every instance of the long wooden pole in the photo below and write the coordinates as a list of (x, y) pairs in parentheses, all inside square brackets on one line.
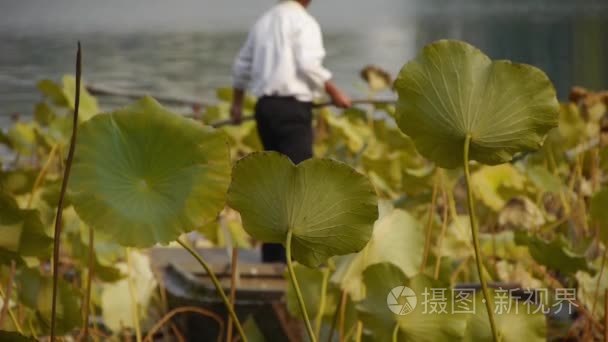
[(228, 122)]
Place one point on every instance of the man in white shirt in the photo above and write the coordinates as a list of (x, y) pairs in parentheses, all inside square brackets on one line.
[(282, 64)]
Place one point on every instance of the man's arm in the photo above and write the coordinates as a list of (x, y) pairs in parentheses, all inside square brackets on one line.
[(236, 110), (241, 76), (337, 96), (310, 53)]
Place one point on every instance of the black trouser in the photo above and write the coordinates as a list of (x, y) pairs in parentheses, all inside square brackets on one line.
[(285, 126)]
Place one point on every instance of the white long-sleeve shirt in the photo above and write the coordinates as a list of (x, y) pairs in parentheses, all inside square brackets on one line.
[(283, 55)]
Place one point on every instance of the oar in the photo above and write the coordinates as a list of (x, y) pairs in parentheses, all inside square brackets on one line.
[(99, 90), (227, 122)]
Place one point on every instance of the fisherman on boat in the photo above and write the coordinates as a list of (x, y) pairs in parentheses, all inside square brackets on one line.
[(282, 64)]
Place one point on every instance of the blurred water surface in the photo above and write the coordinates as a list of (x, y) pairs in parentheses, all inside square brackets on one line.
[(186, 47)]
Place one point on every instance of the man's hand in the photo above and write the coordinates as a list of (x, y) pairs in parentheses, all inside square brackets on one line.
[(236, 110), (339, 98)]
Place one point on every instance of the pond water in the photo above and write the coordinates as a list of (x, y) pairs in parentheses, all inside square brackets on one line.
[(186, 47)]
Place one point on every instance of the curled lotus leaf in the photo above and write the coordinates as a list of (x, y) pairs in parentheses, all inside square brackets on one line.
[(329, 208), (453, 90), (143, 175)]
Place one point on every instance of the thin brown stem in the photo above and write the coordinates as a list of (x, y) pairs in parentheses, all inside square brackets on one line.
[(64, 184), (177, 333), (218, 287), (233, 278), (177, 311)]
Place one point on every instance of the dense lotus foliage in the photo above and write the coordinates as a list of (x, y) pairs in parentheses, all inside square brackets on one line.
[(376, 210)]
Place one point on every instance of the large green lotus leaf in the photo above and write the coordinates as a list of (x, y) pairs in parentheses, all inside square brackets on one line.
[(452, 90), (329, 207), (398, 238), (144, 175), (21, 231), (35, 291), (515, 321), (417, 325), (554, 254), (599, 212), (494, 185)]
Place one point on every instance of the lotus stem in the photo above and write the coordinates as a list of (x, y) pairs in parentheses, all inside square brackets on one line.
[(64, 184), (30, 324), (334, 320), (218, 288), (359, 334), (6, 298), (599, 279), (174, 312), (87, 294), (475, 232), (233, 276), (396, 333), (133, 295), (296, 286), (429, 226), (322, 303)]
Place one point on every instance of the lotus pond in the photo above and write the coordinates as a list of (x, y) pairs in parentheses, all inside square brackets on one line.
[(474, 209)]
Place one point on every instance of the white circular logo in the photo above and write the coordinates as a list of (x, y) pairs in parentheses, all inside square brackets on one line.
[(401, 300)]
